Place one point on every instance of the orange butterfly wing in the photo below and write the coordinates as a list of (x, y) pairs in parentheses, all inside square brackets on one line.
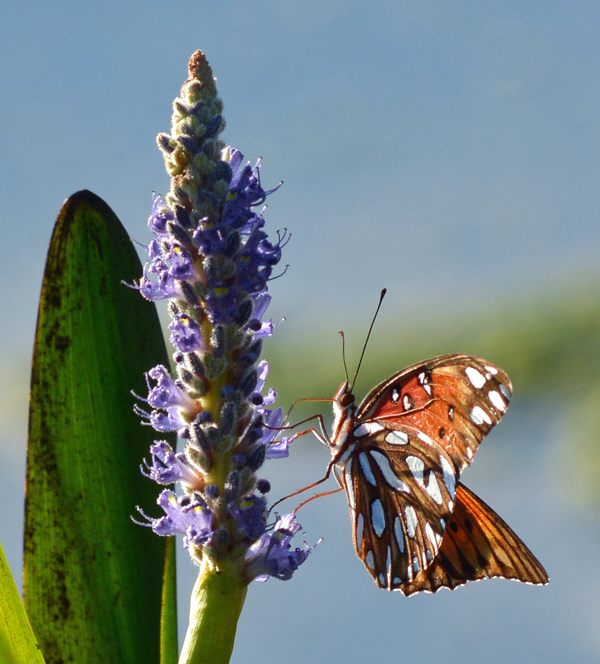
[(477, 544)]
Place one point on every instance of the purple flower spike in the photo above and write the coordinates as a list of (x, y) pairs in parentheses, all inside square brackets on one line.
[(209, 237), (272, 555), (212, 259), (280, 449), (172, 421), (163, 287), (181, 263), (273, 421), (168, 467), (159, 218), (194, 520), (166, 392), (250, 516), (221, 304), (185, 334)]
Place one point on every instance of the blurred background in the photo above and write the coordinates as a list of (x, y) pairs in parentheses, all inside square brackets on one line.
[(447, 151)]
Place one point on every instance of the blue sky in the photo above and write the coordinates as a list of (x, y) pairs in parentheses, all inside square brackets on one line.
[(448, 151)]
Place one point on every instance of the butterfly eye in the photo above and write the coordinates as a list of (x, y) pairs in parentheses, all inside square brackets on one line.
[(346, 399)]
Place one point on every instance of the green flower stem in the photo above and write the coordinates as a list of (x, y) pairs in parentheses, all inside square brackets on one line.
[(216, 604)]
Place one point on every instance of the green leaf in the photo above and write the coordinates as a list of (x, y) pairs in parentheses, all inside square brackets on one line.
[(17, 641), (92, 578), (168, 633)]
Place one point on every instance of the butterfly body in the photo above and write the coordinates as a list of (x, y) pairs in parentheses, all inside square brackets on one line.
[(399, 455)]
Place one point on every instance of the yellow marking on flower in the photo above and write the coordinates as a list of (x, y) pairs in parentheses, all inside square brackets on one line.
[(221, 290)]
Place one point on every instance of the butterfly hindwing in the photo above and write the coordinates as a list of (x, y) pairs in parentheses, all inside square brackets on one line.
[(477, 544), (400, 502)]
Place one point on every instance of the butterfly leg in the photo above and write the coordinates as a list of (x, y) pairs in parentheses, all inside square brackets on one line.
[(304, 399), (306, 488), (320, 435), (318, 495)]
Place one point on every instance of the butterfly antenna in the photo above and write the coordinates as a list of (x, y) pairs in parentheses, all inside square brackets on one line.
[(381, 296), (341, 333)]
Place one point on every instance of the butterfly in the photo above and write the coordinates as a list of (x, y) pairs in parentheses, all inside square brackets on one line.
[(399, 456)]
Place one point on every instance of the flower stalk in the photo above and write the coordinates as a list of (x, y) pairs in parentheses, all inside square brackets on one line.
[(212, 259), (215, 607)]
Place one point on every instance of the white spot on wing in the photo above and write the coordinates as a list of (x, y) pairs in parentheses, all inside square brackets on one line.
[(399, 534), (492, 370), (377, 517), (367, 428), (505, 391), (347, 454), (449, 478), (366, 468), (395, 395), (388, 564), (386, 469), (479, 416), (433, 489), (416, 565), (417, 467), (360, 524), (369, 560), (431, 536), (382, 580), (397, 438), (476, 377), (411, 520), (497, 400), (349, 485), (425, 438)]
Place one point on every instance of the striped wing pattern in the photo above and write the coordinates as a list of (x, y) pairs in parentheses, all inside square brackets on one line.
[(477, 544), (414, 434)]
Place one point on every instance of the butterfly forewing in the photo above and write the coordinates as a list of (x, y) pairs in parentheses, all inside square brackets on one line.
[(453, 400)]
